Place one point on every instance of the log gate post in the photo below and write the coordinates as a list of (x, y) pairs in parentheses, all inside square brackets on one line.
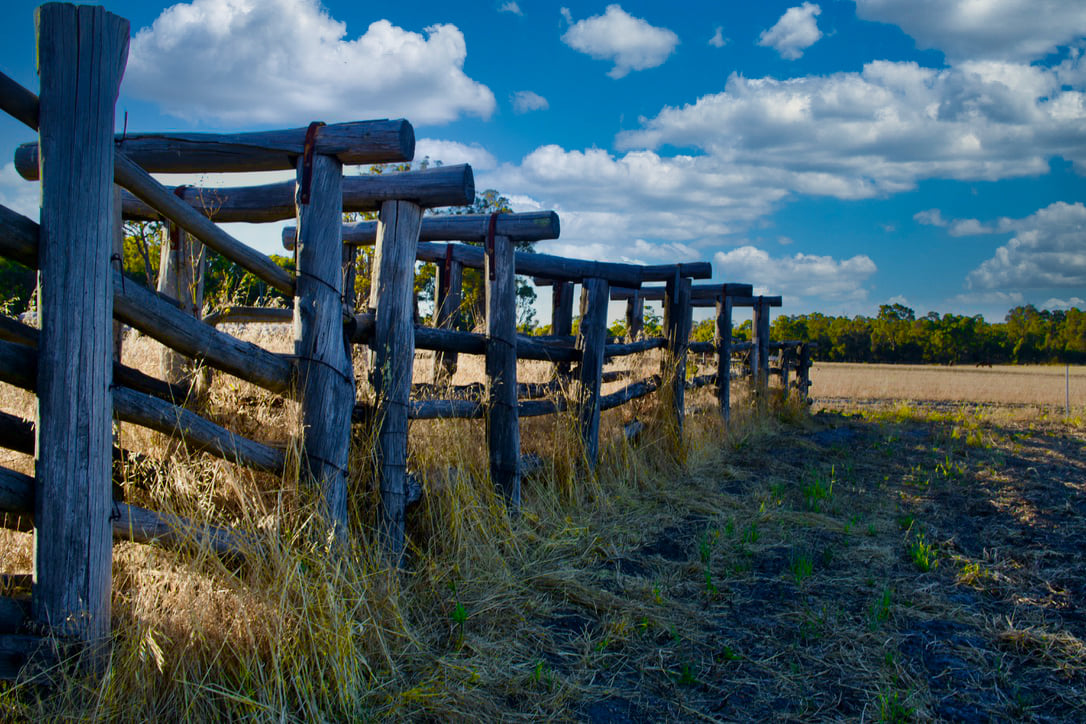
[(450, 282), (180, 277), (678, 320), (724, 355), (591, 338), (760, 349), (635, 316), (325, 374), (562, 318), (82, 53), (502, 422), (803, 371), (391, 294)]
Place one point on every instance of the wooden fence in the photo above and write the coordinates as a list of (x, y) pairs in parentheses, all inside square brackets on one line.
[(92, 179)]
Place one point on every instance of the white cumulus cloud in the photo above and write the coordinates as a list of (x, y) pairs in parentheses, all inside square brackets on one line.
[(1048, 249), (510, 7), (1019, 30), (718, 40), (798, 277), (453, 152), (527, 101), (879, 131), (630, 43), (796, 31), (1065, 304), (244, 62)]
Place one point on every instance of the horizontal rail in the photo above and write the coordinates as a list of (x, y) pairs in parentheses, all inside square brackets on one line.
[(246, 315), (429, 188), (19, 367), (701, 292), (358, 142), (529, 226), (18, 102), (132, 523), (630, 392), (664, 272), (19, 333), (740, 302), (531, 264), (701, 348), (701, 381), (628, 348)]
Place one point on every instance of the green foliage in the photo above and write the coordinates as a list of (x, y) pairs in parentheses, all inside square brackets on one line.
[(1027, 335)]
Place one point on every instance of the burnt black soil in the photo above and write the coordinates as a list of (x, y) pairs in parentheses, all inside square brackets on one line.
[(880, 567)]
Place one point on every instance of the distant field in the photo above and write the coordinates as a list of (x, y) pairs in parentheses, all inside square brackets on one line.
[(1014, 385)]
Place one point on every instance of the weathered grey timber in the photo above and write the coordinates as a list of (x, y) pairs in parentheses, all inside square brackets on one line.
[(82, 53), (677, 323), (477, 390), (358, 142), (630, 392), (449, 291), (197, 434), (698, 292), (701, 348), (591, 340), (690, 270), (741, 301), (503, 427), (431, 187), (181, 278), (19, 333), (760, 354), (803, 371), (18, 238), (723, 338), (742, 346), (562, 317), (146, 311), (394, 353), (18, 102), (635, 314), (140, 183), (19, 367), (644, 345), (16, 434), (553, 268), (325, 372), (701, 381), (446, 409), (131, 523), (116, 256), (527, 226), (245, 315)]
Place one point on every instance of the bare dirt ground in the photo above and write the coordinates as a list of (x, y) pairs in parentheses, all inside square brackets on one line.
[(893, 566)]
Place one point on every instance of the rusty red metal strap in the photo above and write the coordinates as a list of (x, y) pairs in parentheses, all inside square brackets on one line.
[(175, 230), (307, 161), (491, 228)]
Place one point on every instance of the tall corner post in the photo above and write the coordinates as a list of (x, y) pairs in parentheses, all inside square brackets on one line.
[(591, 340), (82, 52), (502, 420), (326, 390), (724, 356), (677, 322), (391, 299)]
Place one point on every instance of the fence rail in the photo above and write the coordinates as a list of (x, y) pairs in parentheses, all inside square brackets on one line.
[(73, 365)]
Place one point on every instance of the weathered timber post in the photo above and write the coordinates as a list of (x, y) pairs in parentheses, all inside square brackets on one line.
[(803, 371), (450, 283), (562, 318), (180, 277), (724, 356), (116, 258), (325, 374), (591, 339), (760, 349), (502, 422), (82, 53), (391, 292), (786, 359), (635, 315), (678, 322)]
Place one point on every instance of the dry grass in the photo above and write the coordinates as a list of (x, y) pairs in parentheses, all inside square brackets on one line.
[(1013, 385), (762, 572)]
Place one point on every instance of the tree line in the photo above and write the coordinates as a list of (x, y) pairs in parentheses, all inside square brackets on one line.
[(1027, 335)]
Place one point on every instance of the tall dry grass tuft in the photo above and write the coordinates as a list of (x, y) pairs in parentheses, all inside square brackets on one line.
[(304, 629)]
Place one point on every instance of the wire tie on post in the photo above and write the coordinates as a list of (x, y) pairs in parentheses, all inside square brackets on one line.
[(307, 162)]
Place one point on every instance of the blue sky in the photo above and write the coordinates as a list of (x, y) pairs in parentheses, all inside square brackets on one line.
[(844, 154)]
